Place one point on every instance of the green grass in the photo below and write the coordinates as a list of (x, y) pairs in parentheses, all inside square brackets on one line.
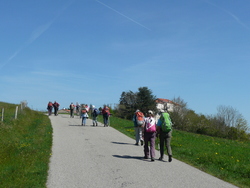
[(25, 146), (9, 111), (226, 159)]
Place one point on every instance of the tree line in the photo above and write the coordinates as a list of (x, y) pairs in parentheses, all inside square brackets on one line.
[(228, 123)]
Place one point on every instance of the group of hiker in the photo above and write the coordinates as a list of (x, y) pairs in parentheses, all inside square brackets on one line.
[(83, 111), (147, 129), (94, 115), (50, 107)]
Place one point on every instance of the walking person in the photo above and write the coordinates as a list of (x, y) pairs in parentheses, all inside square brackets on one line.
[(106, 114), (77, 109), (71, 108), (164, 129), (84, 115), (50, 107), (138, 120), (94, 114), (56, 107), (149, 130)]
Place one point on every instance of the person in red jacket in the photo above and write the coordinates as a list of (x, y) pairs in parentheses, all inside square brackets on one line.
[(106, 114), (50, 107)]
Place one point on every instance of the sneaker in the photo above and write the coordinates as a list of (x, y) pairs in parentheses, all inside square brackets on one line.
[(136, 144), (141, 142), (145, 157), (152, 159), (161, 158), (170, 158)]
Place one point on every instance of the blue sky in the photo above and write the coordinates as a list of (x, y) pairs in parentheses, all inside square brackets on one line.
[(90, 51)]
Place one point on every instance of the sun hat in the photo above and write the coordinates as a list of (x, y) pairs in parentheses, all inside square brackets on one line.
[(150, 112)]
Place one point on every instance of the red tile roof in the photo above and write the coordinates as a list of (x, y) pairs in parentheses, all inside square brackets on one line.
[(160, 100)]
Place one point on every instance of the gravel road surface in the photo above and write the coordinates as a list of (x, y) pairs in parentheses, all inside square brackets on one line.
[(102, 157)]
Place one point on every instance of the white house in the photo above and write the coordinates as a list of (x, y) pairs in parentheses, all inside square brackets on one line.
[(163, 104)]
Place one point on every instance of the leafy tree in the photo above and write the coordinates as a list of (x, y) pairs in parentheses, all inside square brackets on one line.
[(145, 100), (130, 101), (127, 104)]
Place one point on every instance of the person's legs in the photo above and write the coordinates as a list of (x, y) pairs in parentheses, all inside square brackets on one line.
[(105, 119), (137, 135), (94, 120), (84, 121), (50, 110), (152, 146), (168, 145), (140, 135), (146, 150), (161, 146), (56, 110)]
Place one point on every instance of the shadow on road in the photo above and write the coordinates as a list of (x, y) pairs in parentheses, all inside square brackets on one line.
[(129, 157), (122, 143)]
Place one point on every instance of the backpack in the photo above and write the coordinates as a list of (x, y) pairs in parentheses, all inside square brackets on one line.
[(139, 118), (166, 125), (150, 125), (105, 111), (96, 112), (84, 111)]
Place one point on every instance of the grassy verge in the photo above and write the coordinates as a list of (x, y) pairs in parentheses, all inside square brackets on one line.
[(25, 146), (226, 159)]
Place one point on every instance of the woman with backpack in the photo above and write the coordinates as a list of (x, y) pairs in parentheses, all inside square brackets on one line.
[(164, 129), (138, 120), (84, 115), (95, 113), (50, 107), (149, 136), (105, 114)]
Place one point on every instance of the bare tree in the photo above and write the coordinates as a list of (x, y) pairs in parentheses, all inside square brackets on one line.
[(231, 117), (179, 114)]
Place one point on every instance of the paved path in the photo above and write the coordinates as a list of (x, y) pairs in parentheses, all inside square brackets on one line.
[(102, 157)]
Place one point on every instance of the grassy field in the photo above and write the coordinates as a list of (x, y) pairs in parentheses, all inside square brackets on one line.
[(25, 149), (25, 146)]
